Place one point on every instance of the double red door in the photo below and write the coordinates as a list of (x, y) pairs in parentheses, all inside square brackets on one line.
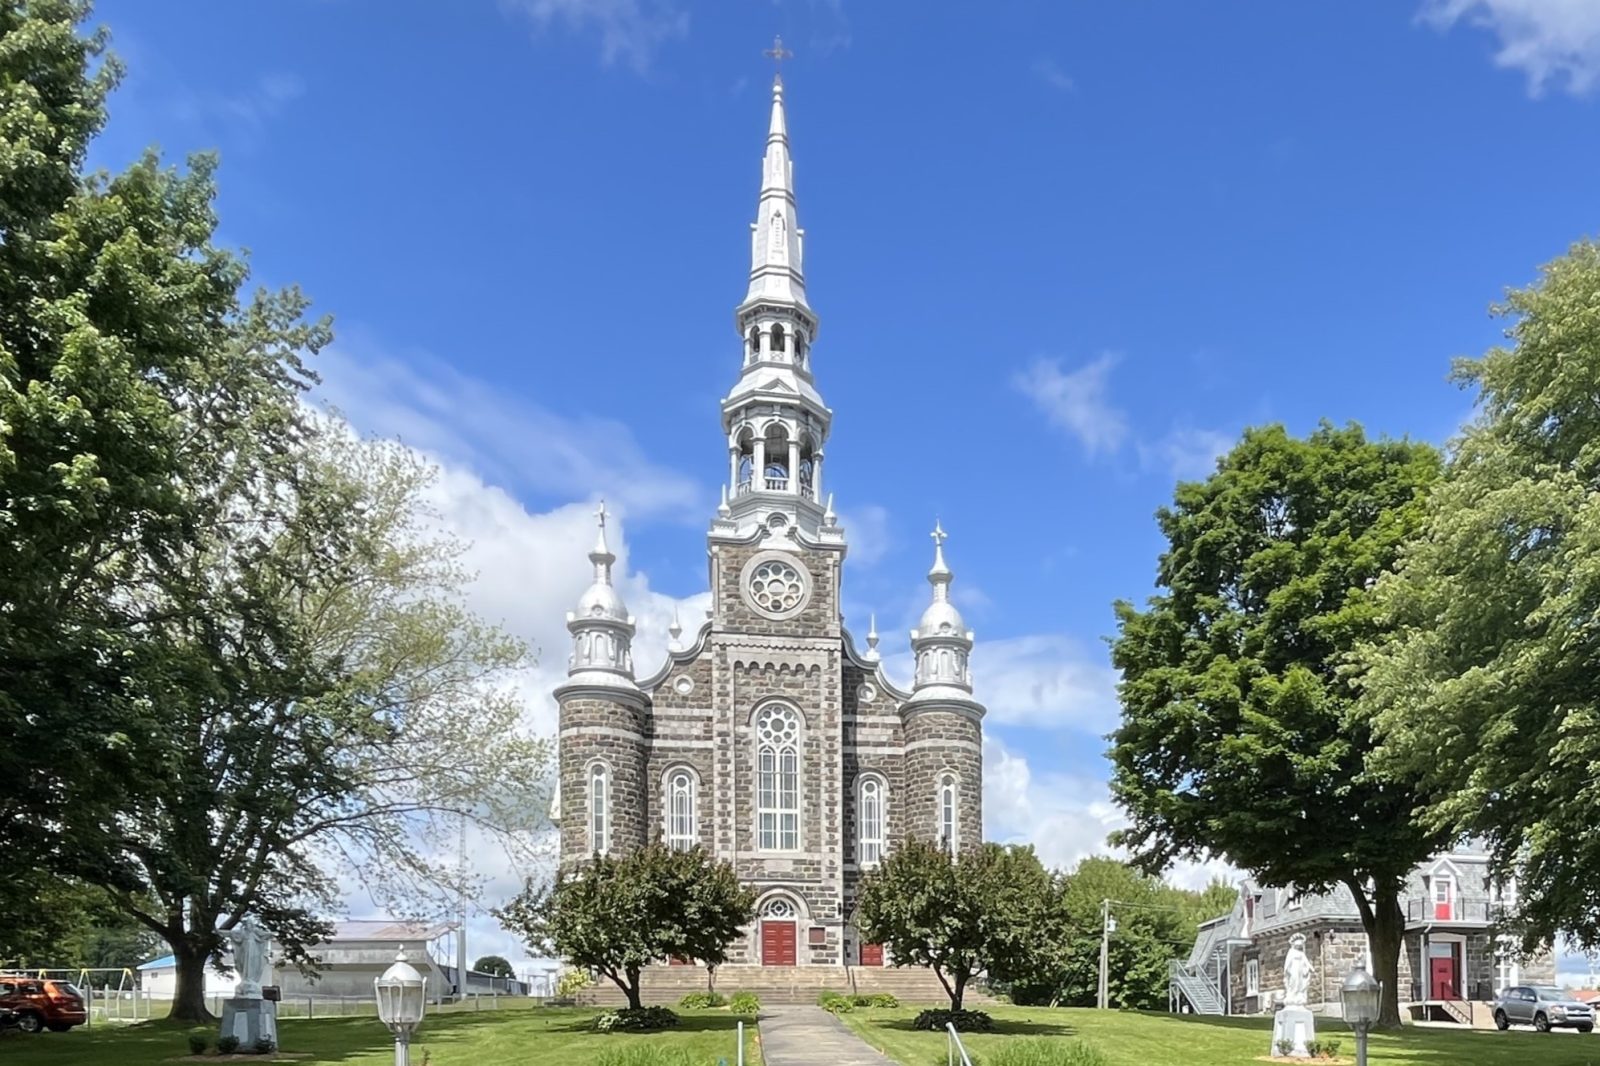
[(777, 943)]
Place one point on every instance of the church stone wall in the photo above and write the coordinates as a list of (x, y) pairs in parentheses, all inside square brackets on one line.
[(615, 732), (939, 740), (820, 615)]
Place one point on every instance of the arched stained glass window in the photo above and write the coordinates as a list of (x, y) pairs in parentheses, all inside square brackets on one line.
[(949, 799), (682, 833), (873, 808), (599, 808), (778, 780)]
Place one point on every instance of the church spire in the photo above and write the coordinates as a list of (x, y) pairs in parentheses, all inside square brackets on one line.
[(602, 629), (775, 419), (777, 243), (941, 642)]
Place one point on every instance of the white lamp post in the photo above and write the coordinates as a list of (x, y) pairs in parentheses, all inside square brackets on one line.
[(1361, 995), (402, 996)]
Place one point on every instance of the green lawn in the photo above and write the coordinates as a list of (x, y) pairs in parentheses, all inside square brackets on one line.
[(1130, 1039), (532, 1037)]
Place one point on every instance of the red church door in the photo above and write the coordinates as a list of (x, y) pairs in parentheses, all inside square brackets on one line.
[(872, 954), (777, 943)]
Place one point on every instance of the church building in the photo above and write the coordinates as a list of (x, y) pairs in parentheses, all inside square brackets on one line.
[(769, 737)]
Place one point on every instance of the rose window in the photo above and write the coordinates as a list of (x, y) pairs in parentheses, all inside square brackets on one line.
[(777, 587)]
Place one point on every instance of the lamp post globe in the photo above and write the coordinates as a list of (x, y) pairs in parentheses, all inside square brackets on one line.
[(402, 995), (1361, 996)]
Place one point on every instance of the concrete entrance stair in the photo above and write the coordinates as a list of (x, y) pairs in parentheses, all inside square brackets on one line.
[(779, 985)]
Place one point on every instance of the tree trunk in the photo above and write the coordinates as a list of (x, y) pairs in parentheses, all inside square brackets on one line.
[(631, 988), (1385, 927), (189, 998), (959, 990)]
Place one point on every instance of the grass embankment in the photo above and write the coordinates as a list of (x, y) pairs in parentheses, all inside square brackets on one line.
[(541, 1036), (1130, 1039)]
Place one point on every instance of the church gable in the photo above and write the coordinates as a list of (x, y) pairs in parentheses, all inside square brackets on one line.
[(775, 587)]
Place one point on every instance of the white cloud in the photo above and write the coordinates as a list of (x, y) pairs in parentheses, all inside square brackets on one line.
[(1553, 42), (434, 408), (1046, 681), (251, 109), (866, 531), (1185, 454), (1066, 817), (630, 30), (1049, 72), (1077, 402)]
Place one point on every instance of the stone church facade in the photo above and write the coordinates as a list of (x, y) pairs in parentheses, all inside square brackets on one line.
[(769, 738)]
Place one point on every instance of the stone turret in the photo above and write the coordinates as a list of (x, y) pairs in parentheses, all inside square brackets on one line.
[(943, 723), (604, 717)]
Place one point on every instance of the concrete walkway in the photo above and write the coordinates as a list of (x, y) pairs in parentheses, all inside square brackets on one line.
[(810, 1036)]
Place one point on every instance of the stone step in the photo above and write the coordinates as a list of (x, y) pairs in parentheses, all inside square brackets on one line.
[(665, 985)]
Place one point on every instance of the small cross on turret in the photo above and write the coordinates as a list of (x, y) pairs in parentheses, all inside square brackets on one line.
[(778, 53)]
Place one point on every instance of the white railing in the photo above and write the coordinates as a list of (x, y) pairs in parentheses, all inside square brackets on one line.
[(954, 1051), (777, 484), (741, 1044)]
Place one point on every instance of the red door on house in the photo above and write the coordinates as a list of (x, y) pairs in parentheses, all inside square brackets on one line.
[(872, 954), (777, 943), (1444, 985)]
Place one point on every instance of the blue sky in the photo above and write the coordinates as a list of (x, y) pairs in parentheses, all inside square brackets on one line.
[(1062, 253)]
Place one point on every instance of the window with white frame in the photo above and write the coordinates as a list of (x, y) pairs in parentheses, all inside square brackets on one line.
[(873, 808), (1507, 970), (682, 832), (949, 831), (778, 779), (1252, 977), (599, 808)]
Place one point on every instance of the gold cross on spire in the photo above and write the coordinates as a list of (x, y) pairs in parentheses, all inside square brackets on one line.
[(778, 53)]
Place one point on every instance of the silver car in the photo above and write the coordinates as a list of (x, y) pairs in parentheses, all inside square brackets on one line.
[(1542, 1007)]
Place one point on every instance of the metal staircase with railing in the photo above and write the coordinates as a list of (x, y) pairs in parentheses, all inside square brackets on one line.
[(1195, 988)]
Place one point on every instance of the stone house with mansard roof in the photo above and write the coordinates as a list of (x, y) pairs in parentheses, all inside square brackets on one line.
[(1454, 951), (769, 737)]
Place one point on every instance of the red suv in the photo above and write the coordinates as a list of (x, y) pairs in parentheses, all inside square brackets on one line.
[(42, 1003)]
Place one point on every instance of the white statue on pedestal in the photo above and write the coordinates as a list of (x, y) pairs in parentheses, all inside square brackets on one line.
[(1296, 973), (249, 956), (1294, 1026)]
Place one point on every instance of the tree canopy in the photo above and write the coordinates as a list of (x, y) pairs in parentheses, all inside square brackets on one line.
[(980, 910), (1487, 686), (494, 966), (1239, 734), (617, 915)]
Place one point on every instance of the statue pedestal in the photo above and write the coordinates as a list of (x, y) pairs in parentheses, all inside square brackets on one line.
[(1296, 1025), (250, 1020)]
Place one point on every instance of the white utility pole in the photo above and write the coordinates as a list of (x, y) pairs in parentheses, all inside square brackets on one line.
[(1103, 998)]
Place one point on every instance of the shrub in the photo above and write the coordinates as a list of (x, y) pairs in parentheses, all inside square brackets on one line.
[(571, 983), (1037, 1051), (744, 1003), (199, 1040), (876, 999), (702, 1000), (1330, 1046), (1284, 1047), (646, 1055), (965, 1021), (642, 1020), (227, 1045), (835, 1002), (264, 1045)]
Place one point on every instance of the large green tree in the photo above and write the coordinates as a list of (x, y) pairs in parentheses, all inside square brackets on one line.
[(131, 369), (344, 713), (983, 909), (1487, 686), (617, 915), (1152, 923), (1239, 733)]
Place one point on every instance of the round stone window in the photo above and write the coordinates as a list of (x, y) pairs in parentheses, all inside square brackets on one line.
[(867, 694), (775, 586), (683, 686)]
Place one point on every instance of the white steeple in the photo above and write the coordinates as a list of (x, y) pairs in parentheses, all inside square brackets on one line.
[(774, 416), (601, 627), (941, 642), (777, 244)]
